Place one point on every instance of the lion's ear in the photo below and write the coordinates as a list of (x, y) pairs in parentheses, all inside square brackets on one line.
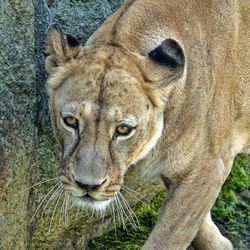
[(60, 48), (164, 63), (161, 67), (169, 54)]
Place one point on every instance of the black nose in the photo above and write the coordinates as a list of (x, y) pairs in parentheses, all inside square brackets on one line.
[(89, 187)]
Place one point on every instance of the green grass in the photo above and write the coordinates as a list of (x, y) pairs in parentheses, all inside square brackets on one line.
[(232, 208), (231, 212)]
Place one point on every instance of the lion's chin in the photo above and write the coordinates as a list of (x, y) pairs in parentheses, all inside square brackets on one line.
[(91, 203)]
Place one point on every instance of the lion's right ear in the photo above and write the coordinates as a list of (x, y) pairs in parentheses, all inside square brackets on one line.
[(59, 48), (164, 63)]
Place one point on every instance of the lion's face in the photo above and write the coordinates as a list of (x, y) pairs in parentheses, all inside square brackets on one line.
[(105, 122), (105, 117)]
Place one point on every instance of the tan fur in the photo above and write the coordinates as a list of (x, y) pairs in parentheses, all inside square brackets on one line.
[(205, 107)]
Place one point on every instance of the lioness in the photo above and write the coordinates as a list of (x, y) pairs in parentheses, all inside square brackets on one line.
[(163, 84)]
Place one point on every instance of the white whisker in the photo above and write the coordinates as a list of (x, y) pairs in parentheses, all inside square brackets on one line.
[(77, 212), (41, 182), (114, 220), (119, 205), (57, 191), (58, 199), (92, 214), (67, 206), (135, 197), (124, 211), (44, 200), (103, 214), (119, 218), (130, 211), (64, 208)]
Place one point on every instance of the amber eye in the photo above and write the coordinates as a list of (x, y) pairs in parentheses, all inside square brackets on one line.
[(71, 121), (123, 130)]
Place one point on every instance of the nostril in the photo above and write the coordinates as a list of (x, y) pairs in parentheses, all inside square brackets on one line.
[(85, 186), (104, 181)]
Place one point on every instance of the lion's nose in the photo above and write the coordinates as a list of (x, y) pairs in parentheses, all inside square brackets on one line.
[(90, 187)]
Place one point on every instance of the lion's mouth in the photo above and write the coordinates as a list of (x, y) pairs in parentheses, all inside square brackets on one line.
[(88, 201), (87, 197)]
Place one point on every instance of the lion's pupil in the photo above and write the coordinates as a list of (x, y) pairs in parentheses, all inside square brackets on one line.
[(123, 129), (70, 121)]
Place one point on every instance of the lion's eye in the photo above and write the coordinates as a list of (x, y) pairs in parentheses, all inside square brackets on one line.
[(71, 121), (123, 130)]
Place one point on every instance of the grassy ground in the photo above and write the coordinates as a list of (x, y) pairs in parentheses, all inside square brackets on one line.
[(232, 208), (231, 213)]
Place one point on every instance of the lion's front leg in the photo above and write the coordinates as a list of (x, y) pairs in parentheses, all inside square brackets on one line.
[(210, 238), (186, 207)]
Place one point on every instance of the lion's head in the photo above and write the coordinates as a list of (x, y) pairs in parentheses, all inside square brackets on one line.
[(107, 107)]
